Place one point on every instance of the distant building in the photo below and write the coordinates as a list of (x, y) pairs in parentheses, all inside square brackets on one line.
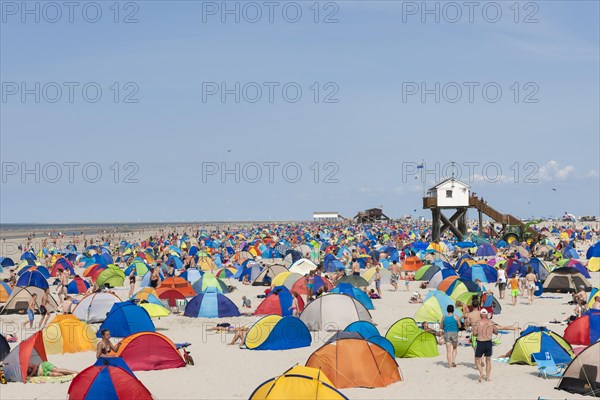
[(450, 193), (326, 216), (371, 215)]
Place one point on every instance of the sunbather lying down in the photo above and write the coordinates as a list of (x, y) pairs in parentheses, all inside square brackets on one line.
[(239, 332), (47, 369)]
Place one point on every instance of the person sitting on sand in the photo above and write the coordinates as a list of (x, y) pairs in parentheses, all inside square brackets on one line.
[(245, 280), (580, 296), (596, 305), (47, 369), (67, 305), (373, 294), (438, 335), (415, 298), (246, 302), (240, 334)]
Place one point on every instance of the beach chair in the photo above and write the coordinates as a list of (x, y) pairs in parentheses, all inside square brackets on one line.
[(546, 365)]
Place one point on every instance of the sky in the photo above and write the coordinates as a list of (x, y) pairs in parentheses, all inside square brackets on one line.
[(212, 111)]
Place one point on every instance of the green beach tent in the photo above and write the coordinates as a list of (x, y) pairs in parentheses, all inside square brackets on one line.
[(410, 341), (114, 277)]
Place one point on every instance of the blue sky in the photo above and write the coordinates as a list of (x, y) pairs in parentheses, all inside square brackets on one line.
[(366, 61)]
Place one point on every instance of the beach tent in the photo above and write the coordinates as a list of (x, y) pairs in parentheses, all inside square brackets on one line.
[(354, 280), (446, 283), (32, 277), (355, 362), (333, 311), (250, 270), (170, 296), (319, 282), (192, 275), (582, 375), (108, 379), (149, 295), (126, 318), (274, 332), (77, 286), (67, 334), (592, 298), (30, 351), (5, 292), (28, 255), (278, 302), (6, 262), (376, 339), (287, 279), (365, 328), (575, 264), (412, 263), (332, 264), (111, 277), (485, 250), (64, 264), (19, 300), (302, 266), (154, 310), (265, 277), (4, 347), (211, 305), (135, 351), (410, 341), (95, 306), (565, 279), (137, 265), (483, 272), (459, 287), (206, 264), (348, 289), (209, 281), (434, 307), (225, 272), (593, 256), (536, 339), (298, 383), (179, 284), (585, 330)]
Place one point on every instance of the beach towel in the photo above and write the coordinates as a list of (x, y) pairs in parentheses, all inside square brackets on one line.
[(52, 379)]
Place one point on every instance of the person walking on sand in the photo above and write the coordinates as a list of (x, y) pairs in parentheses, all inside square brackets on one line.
[(294, 306), (395, 275), (483, 332), (502, 281), (31, 306), (131, 282), (530, 280), (450, 325), (44, 312), (378, 280), (406, 281), (514, 288)]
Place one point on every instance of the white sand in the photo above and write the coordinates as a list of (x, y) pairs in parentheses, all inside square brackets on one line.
[(227, 372)]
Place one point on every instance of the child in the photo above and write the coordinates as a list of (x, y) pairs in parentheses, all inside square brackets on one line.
[(514, 288), (373, 294), (246, 302), (406, 281), (415, 298)]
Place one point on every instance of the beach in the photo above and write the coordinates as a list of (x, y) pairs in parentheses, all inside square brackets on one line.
[(224, 371)]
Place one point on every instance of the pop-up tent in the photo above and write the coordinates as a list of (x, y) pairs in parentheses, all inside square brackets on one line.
[(582, 375), (355, 362), (274, 332), (265, 277), (536, 339), (585, 330), (95, 306), (19, 299), (333, 312), (135, 351), (410, 341), (67, 334), (127, 318), (298, 383), (360, 295), (434, 307), (566, 279), (29, 352), (211, 305), (109, 379), (279, 301), (77, 286), (4, 347)]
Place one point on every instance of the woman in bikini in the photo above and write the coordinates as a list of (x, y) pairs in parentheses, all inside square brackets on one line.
[(105, 346)]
